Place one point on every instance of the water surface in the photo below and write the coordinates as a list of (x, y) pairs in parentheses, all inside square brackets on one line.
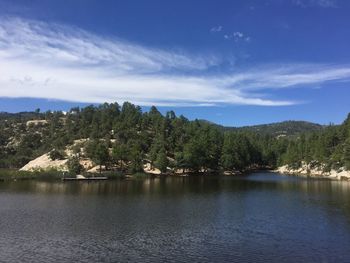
[(263, 217)]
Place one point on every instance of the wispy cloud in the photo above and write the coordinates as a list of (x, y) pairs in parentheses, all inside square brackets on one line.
[(216, 29), (42, 42), (289, 76), (40, 60), (316, 3), (237, 36)]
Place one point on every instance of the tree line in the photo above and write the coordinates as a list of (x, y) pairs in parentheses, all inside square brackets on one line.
[(329, 148), (125, 137)]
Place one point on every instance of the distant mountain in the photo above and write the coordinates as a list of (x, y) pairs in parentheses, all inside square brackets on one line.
[(18, 115), (285, 128)]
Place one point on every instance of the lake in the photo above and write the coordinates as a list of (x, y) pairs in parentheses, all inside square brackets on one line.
[(262, 217)]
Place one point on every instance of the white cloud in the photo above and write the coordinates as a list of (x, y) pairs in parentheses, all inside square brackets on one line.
[(237, 36), (39, 60), (288, 76), (216, 29), (41, 42)]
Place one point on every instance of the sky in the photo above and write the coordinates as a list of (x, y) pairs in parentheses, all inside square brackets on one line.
[(234, 63)]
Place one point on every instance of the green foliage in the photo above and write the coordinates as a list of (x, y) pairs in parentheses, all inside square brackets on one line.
[(285, 128), (120, 154), (56, 155), (180, 162), (162, 161), (136, 156), (100, 154), (74, 165), (236, 152), (346, 154), (124, 138), (329, 147)]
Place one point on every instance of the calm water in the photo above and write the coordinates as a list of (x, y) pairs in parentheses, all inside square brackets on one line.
[(263, 217)]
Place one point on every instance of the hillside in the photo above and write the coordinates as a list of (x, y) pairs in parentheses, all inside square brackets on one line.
[(285, 128), (278, 129), (123, 138)]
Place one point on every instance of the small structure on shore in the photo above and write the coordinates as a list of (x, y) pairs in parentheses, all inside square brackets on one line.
[(80, 177)]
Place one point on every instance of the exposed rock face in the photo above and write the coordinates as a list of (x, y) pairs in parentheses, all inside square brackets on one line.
[(86, 163), (306, 170), (147, 169), (96, 169), (36, 122), (44, 162)]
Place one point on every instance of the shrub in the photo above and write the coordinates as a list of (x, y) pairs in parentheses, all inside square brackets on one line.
[(56, 155)]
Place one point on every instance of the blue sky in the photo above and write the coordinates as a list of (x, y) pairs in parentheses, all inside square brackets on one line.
[(231, 62)]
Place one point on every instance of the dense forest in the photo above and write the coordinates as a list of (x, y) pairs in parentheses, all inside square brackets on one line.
[(124, 137), (285, 128)]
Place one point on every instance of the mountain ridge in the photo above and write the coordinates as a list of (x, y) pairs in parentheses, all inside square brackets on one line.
[(288, 127)]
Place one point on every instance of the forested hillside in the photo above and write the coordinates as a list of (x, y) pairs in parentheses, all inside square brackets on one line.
[(125, 138), (329, 147), (285, 128)]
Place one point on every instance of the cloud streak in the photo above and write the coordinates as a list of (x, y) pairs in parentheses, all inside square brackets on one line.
[(316, 3), (39, 60)]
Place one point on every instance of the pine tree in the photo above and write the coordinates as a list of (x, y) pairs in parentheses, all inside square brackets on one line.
[(162, 161), (346, 155), (101, 155), (74, 165), (120, 153)]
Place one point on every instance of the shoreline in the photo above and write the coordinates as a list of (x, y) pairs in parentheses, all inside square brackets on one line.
[(15, 174), (317, 173), (304, 171)]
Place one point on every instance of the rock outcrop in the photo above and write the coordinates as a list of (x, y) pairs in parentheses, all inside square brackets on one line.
[(44, 163), (315, 171)]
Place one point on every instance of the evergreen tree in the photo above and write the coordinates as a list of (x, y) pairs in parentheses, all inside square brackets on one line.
[(100, 155), (74, 165), (346, 156), (162, 161), (120, 153), (193, 145), (136, 156)]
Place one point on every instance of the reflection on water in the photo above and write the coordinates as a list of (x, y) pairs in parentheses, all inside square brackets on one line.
[(181, 185), (262, 217)]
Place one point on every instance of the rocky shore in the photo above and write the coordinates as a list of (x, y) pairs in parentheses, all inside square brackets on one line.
[(317, 172)]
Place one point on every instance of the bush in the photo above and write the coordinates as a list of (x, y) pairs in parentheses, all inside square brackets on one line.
[(56, 155), (74, 165)]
